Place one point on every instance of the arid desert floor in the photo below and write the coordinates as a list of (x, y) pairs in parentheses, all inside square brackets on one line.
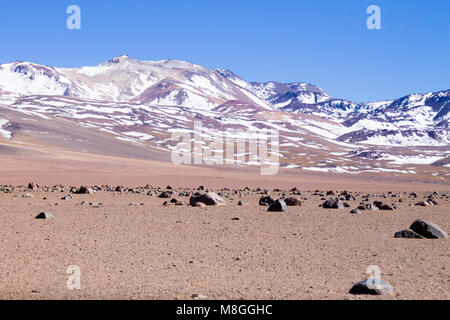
[(128, 245)]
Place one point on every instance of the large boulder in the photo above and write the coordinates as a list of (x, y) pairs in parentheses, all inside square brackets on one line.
[(266, 201), (208, 198), (278, 206), (428, 230), (333, 204), (372, 287)]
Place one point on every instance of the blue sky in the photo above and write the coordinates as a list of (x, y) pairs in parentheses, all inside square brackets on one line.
[(323, 42)]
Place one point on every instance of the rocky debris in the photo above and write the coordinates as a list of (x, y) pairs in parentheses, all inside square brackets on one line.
[(208, 198), (333, 204), (84, 190), (240, 203), (428, 230), (292, 202), (278, 206), (432, 202), (355, 211), (68, 197), (266, 201), (407, 234), (45, 215), (372, 287), (421, 204)]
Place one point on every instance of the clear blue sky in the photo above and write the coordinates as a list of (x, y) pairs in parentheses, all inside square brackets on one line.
[(324, 42)]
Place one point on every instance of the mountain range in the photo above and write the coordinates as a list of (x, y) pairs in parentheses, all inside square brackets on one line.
[(126, 107)]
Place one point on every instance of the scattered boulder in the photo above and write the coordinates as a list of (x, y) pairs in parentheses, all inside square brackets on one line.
[(333, 204), (208, 198), (84, 190), (45, 215), (428, 230), (421, 204), (278, 206), (240, 203), (27, 195), (293, 202), (382, 206), (165, 195), (372, 287), (355, 211), (66, 197), (266, 201)]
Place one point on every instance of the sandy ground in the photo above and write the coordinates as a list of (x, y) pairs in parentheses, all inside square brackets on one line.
[(151, 251)]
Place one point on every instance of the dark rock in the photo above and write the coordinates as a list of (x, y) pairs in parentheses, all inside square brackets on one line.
[(208, 198), (382, 206), (165, 195), (278, 206), (84, 190), (407, 234), (355, 211), (45, 215), (428, 230), (266, 201), (333, 204)]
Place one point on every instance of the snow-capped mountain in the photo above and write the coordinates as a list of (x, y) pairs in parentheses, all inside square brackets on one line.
[(123, 106)]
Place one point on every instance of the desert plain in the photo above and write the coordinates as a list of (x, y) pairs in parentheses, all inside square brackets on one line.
[(129, 244)]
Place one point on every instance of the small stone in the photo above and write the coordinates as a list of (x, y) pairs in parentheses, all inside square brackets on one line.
[(45, 215), (355, 211)]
